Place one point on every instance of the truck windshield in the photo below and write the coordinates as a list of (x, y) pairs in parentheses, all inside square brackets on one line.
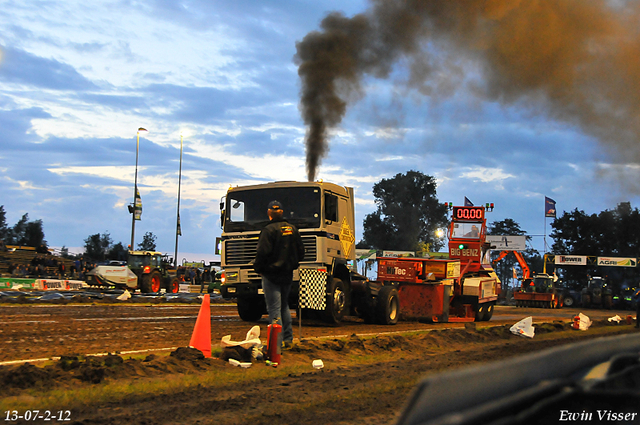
[(247, 209)]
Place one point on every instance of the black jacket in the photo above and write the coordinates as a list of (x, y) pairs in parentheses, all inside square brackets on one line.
[(280, 249)]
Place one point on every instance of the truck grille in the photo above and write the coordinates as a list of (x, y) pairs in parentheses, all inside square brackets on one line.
[(243, 251)]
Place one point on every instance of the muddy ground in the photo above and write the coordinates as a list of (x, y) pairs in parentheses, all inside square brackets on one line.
[(367, 376)]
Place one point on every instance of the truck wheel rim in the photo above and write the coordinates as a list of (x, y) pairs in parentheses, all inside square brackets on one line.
[(338, 300), (393, 309)]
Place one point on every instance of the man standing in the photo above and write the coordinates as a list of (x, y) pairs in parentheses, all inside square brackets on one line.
[(279, 253), (637, 298)]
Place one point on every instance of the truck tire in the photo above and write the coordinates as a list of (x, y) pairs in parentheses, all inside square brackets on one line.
[(387, 306), (174, 285), (151, 282), (336, 301), (250, 309), (568, 301), (607, 302)]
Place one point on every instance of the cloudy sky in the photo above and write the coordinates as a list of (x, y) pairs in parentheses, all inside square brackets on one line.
[(77, 79)]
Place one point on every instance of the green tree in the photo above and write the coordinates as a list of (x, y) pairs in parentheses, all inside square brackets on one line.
[(3, 225), (148, 242), (17, 232), (609, 233), (118, 252), (24, 232), (407, 216), (96, 246)]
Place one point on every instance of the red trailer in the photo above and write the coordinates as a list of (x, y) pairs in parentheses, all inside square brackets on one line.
[(463, 288)]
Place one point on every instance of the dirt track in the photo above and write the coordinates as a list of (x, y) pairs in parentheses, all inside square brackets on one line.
[(366, 379)]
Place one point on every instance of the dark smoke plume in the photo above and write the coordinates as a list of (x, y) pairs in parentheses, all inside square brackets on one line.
[(576, 60)]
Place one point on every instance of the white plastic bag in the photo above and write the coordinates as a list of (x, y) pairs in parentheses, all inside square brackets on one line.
[(252, 339), (615, 318), (124, 296), (585, 322), (524, 327)]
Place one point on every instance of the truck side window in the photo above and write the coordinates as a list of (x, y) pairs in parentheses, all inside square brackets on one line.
[(236, 212), (330, 207)]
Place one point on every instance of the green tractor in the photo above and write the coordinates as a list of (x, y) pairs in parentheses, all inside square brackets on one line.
[(154, 271), (597, 294)]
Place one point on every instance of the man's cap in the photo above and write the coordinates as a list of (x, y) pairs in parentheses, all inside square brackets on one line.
[(274, 205)]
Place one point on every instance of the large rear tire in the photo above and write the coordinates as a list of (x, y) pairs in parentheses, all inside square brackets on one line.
[(151, 282), (607, 302), (586, 300), (174, 286), (336, 301), (251, 309), (387, 306)]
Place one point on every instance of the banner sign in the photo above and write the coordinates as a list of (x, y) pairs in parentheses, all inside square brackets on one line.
[(571, 260), (17, 283), (617, 261), (507, 243)]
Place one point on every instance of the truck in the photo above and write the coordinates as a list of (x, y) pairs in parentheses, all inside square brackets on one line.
[(147, 271), (326, 286), (323, 212)]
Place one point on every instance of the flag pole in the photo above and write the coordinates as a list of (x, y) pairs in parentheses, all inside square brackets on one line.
[(135, 189), (178, 230)]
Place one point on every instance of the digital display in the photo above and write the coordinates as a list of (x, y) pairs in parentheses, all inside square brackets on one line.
[(468, 213)]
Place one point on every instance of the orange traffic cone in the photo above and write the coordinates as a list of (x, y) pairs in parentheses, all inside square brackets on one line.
[(201, 337)]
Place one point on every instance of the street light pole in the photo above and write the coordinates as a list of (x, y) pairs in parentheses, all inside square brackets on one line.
[(178, 230), (135, 190)]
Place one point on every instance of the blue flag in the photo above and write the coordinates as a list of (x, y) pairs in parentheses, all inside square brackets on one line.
[(549, 207), (467, 202)]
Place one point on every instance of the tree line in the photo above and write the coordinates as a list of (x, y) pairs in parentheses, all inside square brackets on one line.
[(408, 213), (97, 247)]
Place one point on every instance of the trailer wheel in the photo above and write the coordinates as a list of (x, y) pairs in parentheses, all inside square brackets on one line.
[(250, 309), (488, 312), (174, 285), (480, 311), (387, 306), (568, 301), (336, 302)]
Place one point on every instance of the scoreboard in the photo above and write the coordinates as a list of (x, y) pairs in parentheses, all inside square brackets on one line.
[(468, 214)]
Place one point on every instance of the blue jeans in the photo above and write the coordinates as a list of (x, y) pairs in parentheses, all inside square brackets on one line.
[(276, 295)]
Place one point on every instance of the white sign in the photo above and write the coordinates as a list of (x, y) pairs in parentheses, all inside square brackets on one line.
[(617, 261), (571, 260), (507, 243), (398, 254)]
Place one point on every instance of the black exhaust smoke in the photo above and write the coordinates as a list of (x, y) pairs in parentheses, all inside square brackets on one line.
[(575, 60)]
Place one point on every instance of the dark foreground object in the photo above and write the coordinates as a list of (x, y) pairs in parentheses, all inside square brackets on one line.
[(597, 380)]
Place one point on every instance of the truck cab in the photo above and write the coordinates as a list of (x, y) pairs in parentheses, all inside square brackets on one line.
[(324, 215)]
